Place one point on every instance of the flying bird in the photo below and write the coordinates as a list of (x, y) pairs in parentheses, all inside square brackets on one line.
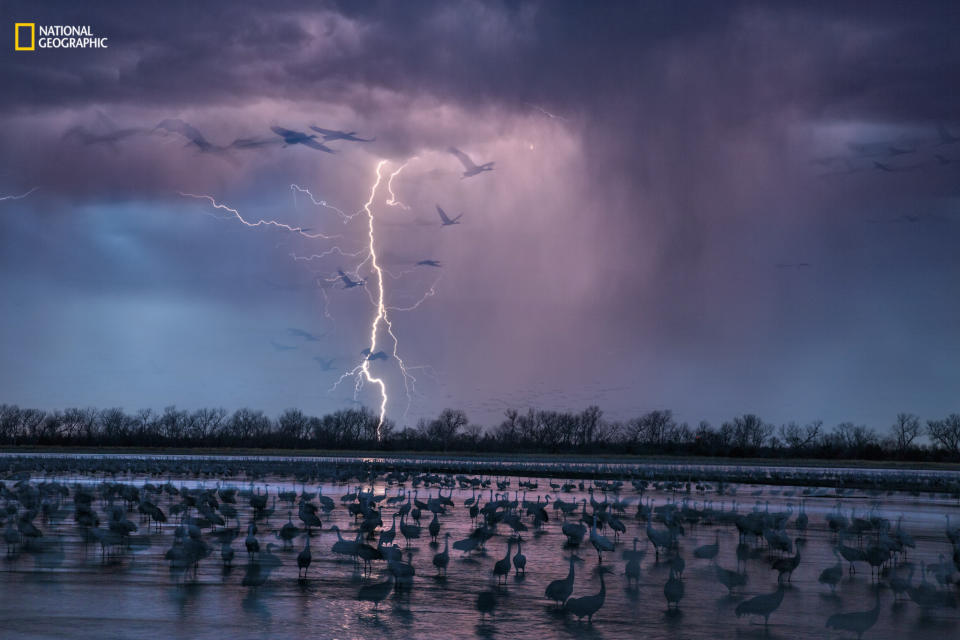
[(193, 136), (891, 169), (332, 134), (252, 143), (347, 282), (445, 219), (306, 335), (470, 167), (429, 263), (281, 347), (325, 365), (379, 355), (298, 137), (897, 151)]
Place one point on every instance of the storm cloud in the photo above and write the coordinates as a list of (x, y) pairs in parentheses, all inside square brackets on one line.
[(655, 162)]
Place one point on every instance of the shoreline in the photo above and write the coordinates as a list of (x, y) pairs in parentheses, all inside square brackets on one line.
[(480, 457)]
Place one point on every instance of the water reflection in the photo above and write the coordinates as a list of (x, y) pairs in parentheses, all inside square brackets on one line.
[(89, 554)]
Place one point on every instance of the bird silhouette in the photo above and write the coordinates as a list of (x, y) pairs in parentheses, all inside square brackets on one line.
[(832, 575), (376, 592), (587, 606), (520, 560), (761, 605), (560, 590), (858, 622), (303, 559), (442, 559)]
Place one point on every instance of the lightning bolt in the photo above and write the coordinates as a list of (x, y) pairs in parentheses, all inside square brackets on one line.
[(347, 217), (392, 200), (19, 197), (381, 321), (381, 308), (258, 223)]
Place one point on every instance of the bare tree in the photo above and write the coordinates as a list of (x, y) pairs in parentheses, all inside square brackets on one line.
[(444, 428), (749, 431), (855, 437), (292, 425), (652, 428), (114, 424), (946, 433), (905, 430), (204, 423), (799, 438)]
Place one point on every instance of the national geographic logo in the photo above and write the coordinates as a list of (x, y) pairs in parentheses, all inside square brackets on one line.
[(55, 36)]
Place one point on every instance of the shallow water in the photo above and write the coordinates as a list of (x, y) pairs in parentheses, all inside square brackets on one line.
[(63, 588)]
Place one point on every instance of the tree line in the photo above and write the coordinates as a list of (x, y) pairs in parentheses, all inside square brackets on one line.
[(534, 431)]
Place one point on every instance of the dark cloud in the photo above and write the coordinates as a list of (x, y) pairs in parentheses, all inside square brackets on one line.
[(631, 241)]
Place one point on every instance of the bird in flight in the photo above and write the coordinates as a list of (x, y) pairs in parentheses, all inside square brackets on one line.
[(193, 136), (333, 134), (306, 335), (429, 263), (470, 168), (445, 220), (298, 137), (325, 365), (379, 355), (347, 282), (281, 347)]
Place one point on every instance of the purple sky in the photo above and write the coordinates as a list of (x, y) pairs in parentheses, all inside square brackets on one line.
[(661, 171)]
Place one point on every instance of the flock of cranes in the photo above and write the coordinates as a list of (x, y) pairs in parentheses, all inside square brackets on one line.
[(611, 531)]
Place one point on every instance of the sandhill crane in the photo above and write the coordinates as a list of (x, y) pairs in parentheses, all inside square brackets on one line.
[(409, 531), (501, 569), (730, 579), (303, 559), (520, 560), (856, 621), (434, 527), (673, 590), (762, 605), (403, 571), (442, 559), (226, 554), (344, 547), (560, 590), (660, 539), (785, 566), (599, 542), (574, 532), (633, 558), (850, 554), (832, 575), (387, 536), (900, 584), (486, 603), (288, 531), (587, 605), (677, 565), (708, 551), (251, 542), (802, 519), (377, 592)]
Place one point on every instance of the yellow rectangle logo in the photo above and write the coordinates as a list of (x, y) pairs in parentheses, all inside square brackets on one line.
[(16, 36)]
